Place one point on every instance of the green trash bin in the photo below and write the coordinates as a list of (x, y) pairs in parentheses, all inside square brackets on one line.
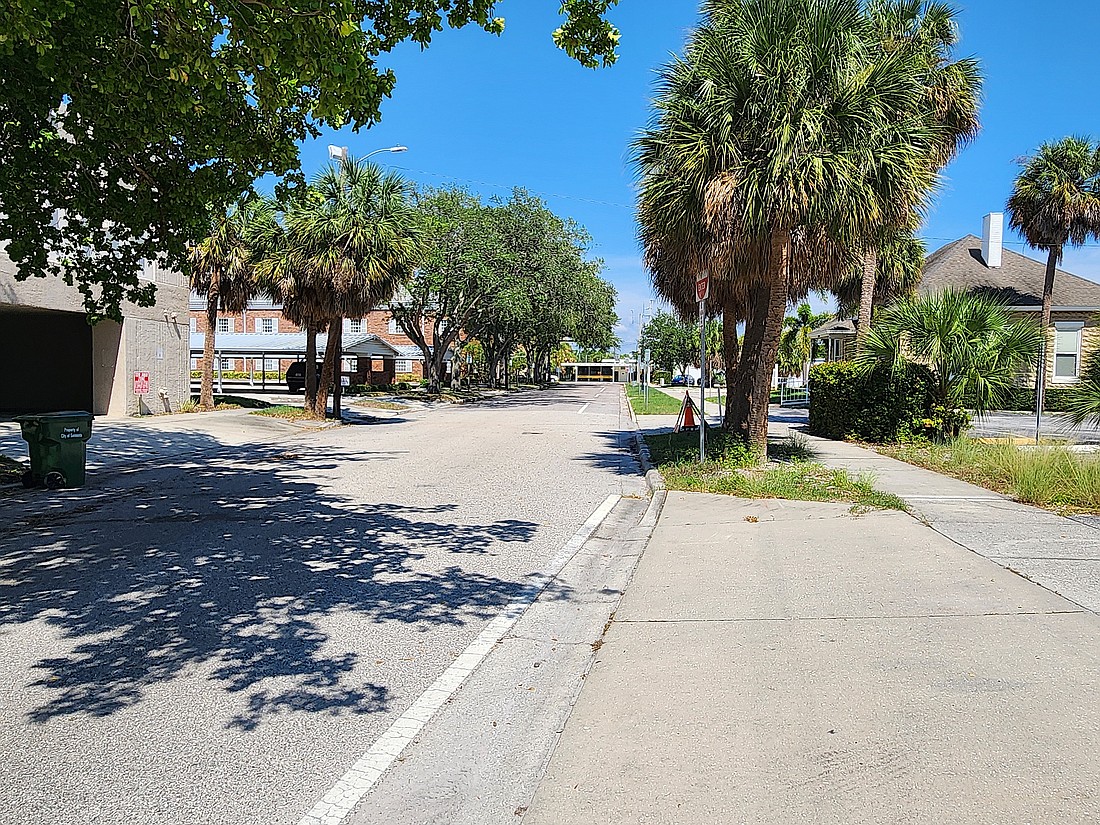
[(56, 442)]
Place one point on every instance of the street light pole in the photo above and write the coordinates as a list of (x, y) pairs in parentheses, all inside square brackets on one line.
[(341, 152)]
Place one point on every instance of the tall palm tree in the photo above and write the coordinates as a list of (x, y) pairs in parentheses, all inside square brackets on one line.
[(974, 345), (222, 269), (925, 35), (899, 261), (1055, 202), (351, 243), (796, 346), (781, 134)]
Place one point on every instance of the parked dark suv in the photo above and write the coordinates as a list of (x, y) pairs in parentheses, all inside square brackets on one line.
[(296, 376)]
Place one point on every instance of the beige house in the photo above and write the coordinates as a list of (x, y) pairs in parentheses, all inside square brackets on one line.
[(58, 361), (983, 265)]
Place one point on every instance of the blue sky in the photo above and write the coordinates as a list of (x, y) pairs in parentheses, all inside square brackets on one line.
[(492, 113)]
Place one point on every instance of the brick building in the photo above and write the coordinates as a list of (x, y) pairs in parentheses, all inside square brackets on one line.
[(264, 317)]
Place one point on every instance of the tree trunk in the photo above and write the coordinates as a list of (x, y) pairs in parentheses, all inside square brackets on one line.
[(311, 368), (338, 374), (739, 387), (730, 352), (866, 294), (320, 406), (773, 331), (1053, 256), (206, 394)]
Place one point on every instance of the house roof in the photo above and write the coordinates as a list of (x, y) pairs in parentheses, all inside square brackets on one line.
[(1019, 279), (835, 328), (290, 343)]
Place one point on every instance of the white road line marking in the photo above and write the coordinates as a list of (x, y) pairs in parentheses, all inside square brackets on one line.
[(583, 408), (335, 805)]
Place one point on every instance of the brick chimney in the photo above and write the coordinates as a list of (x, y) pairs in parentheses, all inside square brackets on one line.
[(992, 237)]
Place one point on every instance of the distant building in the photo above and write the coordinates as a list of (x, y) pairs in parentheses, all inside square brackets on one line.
[(56, 360), (397, 357), (983, 266), (605, 371)]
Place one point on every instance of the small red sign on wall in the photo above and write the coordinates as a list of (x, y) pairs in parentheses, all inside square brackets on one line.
[(141, 383)]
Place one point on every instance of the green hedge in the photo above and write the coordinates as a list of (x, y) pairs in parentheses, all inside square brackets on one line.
[(880, 406), (1022, 399)]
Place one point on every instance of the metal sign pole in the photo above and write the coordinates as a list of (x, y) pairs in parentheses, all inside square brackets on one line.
[(702, 380), (1040, 382)]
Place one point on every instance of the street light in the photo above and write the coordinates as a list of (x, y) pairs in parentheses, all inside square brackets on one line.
[(341, 152)]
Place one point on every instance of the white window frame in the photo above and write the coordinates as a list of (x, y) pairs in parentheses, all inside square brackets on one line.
[(193, 324), (194, 363), (403, 366), (356, 326), (227, 364), (224, 326), (1064, 327), (267, 325), (392, 328)]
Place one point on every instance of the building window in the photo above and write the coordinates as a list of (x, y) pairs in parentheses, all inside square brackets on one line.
[(403, 365), (193, 324), (194, 363), (1067, 350), (391, 327), (266, 325), (226, 364), (225, 325), (355, 326)]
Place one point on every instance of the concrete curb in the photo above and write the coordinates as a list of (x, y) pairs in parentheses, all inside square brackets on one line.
[(654, 481)]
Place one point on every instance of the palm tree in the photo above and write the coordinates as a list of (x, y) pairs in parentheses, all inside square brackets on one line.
[(351, 243), (1084, 398), (1055, 202), (899, 260), (769, 185), (796, 346), (973, 344), (924, 34), (222, 269)]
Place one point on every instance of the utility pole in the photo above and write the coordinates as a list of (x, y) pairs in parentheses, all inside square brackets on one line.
[(702, 292)]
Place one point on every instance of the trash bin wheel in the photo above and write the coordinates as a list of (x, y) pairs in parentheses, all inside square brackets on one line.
[(54, 480), (28, 479)]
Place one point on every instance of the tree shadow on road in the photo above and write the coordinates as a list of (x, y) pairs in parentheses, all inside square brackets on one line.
[(236, 566)]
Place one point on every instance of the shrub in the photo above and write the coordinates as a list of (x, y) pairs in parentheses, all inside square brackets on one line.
[(880, 405), (1022, 399)]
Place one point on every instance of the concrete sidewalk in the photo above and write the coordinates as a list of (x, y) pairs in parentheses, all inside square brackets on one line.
[(1062, 554), (787, 662)]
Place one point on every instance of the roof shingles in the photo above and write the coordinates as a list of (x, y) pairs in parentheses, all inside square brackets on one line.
[(1019, 279)]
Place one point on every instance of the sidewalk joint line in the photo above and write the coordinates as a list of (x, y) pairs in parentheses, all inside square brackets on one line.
[(855, 618)]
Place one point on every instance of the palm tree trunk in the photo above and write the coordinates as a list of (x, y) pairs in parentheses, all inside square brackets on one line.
[(311, 368), (320, 406), (1053, 256), (338, 368), (730, 353), (740, 387), (769, 347), (206, 394), (866, 294)]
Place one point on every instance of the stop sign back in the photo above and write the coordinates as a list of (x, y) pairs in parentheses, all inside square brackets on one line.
[(141, 383)]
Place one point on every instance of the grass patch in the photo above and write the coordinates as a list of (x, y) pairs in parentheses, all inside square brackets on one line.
[(11, 470), (285, 411), (374, 403), (1049, 475), (659, 402), (732, 469)]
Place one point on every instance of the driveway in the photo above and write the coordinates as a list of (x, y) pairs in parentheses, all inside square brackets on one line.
[(221, 622)]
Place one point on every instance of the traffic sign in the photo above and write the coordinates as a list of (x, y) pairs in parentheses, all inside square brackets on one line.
[(702, 286), (141, 383)]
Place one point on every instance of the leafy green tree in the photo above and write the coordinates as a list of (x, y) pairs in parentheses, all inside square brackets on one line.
[(974, 345), (454, 280), (1055, 202), (132, 119), (673, 343)]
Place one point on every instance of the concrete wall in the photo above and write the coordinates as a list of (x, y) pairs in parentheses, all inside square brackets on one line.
[(149, 339)]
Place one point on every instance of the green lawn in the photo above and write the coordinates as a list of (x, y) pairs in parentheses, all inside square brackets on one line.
[(731, 469), (1049, 476), (659, 402), (284, 411)]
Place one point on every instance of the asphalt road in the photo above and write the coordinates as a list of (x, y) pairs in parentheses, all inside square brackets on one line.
[(214, 635)]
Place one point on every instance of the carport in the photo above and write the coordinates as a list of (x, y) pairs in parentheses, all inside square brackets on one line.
[(51, 365), (256, 348)]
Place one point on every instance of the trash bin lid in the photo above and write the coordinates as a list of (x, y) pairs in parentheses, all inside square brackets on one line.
[(64, 414)]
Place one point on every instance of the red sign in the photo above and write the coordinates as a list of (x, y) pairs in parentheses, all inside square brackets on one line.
[(702, 286), (141, 383)]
